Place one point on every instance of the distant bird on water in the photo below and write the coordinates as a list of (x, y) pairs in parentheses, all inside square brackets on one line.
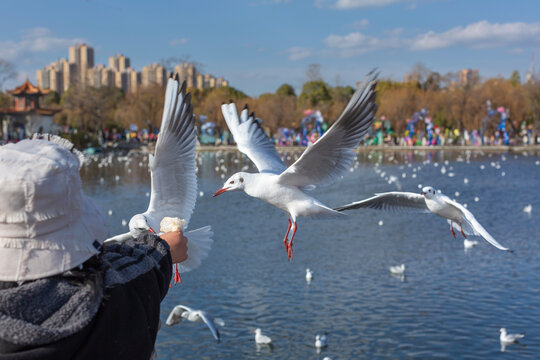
[(309, 275), (260, 338), (321, 164), (398, 269), (428, 200), (181, 312)]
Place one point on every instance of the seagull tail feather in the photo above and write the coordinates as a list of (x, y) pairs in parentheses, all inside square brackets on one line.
[(199, 245)]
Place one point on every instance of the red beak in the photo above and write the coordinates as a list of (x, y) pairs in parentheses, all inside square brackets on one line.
[(151, 230), (422, 193), (220, 191)]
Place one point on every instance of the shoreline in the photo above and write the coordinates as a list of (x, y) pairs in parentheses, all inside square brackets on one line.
[(494, 148)]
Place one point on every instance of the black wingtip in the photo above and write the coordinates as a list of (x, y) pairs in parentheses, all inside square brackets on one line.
[(176, 77), (223, 103), (231, 101), (171, 75), (182, 89), (245, 106), (252, 114)]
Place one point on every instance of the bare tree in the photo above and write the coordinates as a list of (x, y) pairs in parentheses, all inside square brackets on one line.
[(7, 71), (313, 72)]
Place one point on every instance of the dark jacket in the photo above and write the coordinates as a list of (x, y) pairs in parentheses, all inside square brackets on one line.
[(109, 309)]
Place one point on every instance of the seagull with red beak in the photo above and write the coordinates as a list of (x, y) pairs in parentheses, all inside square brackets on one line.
[(321, 164)]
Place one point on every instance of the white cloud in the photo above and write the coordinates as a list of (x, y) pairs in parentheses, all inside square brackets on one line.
[(360, 24), (297, 53), (478, 35), (177, 42), (482, 34), (351, 4), (33, 41)]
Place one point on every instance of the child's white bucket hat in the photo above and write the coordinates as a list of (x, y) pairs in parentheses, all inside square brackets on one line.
[(47, 224)]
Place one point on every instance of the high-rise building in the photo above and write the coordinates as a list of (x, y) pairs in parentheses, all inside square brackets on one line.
[(153, 74), (188, 73), (468, 77), (42, 78), (119, 62), (69, 74), (82, 56), (134, 80)]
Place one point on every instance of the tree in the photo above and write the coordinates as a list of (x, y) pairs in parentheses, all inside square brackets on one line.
[(314, 92), (515, 79), (51, 99), (313, 72), (7, 71), (285, 90)]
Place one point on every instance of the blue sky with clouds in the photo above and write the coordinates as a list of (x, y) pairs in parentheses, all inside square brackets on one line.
[(260, 44)]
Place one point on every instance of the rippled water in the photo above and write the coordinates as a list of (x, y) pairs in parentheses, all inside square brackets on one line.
[(451, 303)]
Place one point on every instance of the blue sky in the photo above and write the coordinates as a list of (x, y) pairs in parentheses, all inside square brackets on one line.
[(260, 44)]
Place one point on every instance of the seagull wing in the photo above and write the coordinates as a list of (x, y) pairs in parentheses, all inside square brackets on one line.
[(252, 140), (471, 226), (209, 321), (331, 156), (173, 167), (390, 201), (176, 315)]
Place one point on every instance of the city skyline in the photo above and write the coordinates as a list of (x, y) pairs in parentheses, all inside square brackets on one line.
[(257, 45)]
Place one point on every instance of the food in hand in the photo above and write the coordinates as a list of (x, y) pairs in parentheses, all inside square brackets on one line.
[(171, 224)]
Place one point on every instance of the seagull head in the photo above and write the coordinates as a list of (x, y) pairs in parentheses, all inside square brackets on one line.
[(257, 331), (235, 182), (428, 192), (502, 330), (138, 225)]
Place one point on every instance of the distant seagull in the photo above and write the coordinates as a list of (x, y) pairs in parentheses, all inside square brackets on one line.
[(321, 164), (508, 339), (398, 269), (527, 209), (181, 312), (173, 177), (467, 244), (432, 201), (260, 338), (309, 275), (320, 341)]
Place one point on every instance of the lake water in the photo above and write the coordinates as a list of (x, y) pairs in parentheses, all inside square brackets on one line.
[(450, 305)]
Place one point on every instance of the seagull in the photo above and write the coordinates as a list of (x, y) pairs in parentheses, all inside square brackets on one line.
[(320, 341), (181, 312), (432, 201), (467, 244), (260, 338), (320, 164), (509, 338), (309, 275), (527, 209), (173, 178), (398, 269)]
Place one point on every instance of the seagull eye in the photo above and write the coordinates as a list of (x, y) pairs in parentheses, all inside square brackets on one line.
[(232, 181)]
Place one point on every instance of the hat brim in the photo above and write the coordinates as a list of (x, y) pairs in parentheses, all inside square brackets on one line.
[(74, 244)]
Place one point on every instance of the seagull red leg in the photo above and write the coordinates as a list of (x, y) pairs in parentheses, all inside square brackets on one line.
[(461, 229), (286, 238), (452, 229), (289, 250)]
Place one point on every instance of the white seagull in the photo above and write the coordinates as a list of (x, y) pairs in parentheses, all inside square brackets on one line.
[(181, 312), (432, 201), (320, 341), (260, 338), (173, 178), (398, 269), (309, 275), (506, 338), (320, 164)]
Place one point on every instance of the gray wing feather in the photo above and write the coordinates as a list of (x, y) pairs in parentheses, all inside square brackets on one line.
[(332, 155), (252, 140), (390, 201), (176, 315), (209, 321)]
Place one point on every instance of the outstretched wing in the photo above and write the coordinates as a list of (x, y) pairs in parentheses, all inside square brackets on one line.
[(209, 321), (176, 315), (332, 155), (471, 226), (390, 201), (252, 140), (173, 168)]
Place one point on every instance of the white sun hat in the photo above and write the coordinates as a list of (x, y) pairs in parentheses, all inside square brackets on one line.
[(47, 224)]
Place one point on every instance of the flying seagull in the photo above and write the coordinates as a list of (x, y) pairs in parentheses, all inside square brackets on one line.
[(432, 201), (181, 312), (173, 178), (320, 164)]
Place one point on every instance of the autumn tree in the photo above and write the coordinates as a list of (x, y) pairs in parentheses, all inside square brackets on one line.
[(7, 71)]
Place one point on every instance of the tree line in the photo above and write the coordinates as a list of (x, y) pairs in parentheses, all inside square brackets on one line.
[(449, 104)]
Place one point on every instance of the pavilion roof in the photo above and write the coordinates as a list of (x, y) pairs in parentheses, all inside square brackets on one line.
[(28, 88)]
